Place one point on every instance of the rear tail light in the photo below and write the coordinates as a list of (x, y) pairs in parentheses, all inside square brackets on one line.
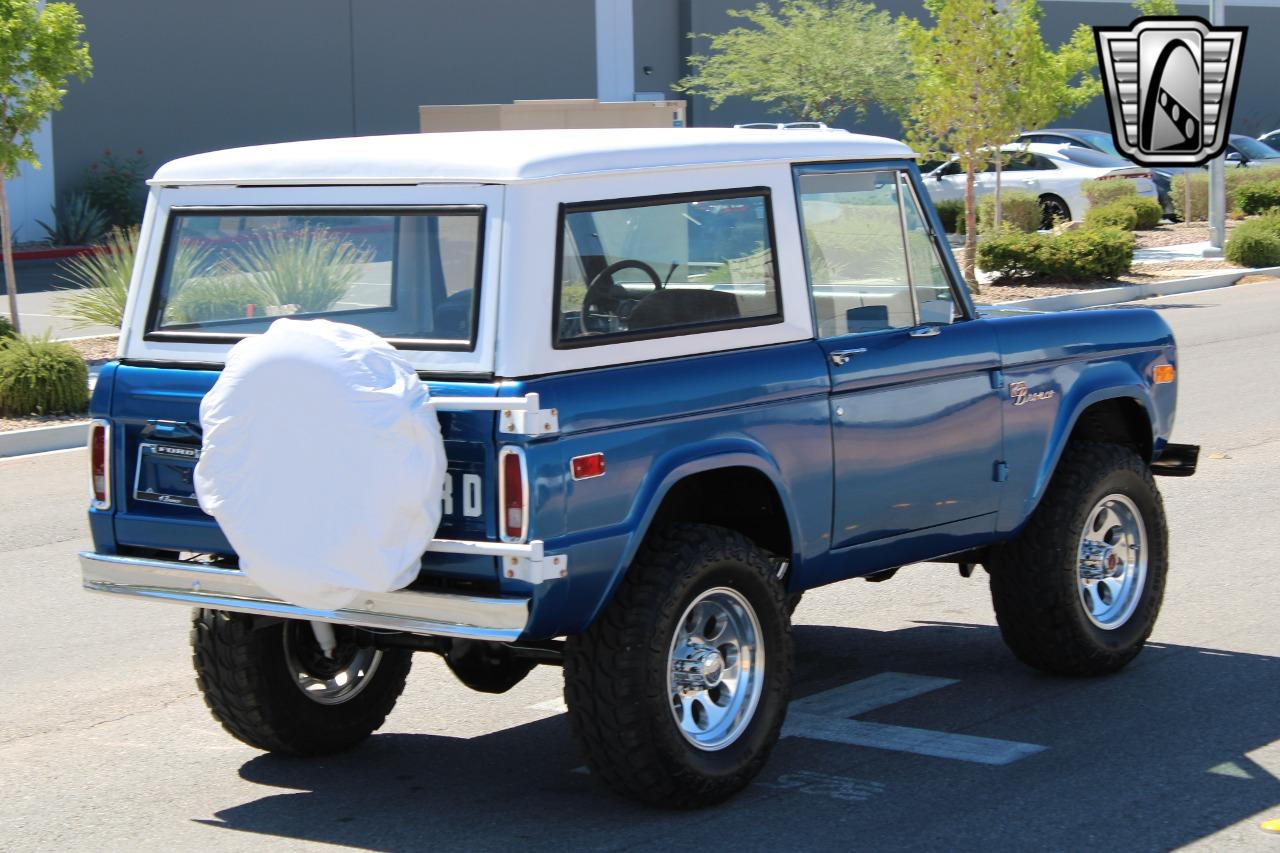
[(100, 462), (513, 494)]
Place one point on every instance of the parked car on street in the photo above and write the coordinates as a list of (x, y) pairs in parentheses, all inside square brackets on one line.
[(680, 376), (1054, 172), (1102, 141), (1246, 151), (1272, 139)]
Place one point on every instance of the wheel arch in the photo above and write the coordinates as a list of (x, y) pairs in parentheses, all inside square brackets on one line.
[(676, 491)]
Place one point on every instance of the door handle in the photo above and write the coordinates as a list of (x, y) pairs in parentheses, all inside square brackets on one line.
[(923, 331), (842, 356)]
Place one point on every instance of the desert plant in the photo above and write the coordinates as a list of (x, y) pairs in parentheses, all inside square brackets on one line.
[(1019, 211), (117, 185), (1102, 191), (100, 281), (41, 377), (308, 267), (1235, 180), (6, 329), (76, 222), (223, 296), (1084, 254), (1257, 198), (1117, 214), (1255, 243), (1148, 210), (951, 212)]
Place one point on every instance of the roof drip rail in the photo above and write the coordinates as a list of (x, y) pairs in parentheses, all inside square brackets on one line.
[(784, 125)]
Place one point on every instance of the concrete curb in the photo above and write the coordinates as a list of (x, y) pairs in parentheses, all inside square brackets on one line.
[(20, 442), (1131, 292)]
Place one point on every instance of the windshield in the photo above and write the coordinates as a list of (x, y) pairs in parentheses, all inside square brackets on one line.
[(409, 275), (1253, 149), (1101, 141)]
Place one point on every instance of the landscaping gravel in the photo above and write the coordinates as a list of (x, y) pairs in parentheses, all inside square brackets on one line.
[(1174, 233)]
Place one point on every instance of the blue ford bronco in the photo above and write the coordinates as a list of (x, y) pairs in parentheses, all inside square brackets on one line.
[(681, 376)]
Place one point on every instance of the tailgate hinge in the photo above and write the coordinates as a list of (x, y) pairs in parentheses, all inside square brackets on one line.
[(535, 571)]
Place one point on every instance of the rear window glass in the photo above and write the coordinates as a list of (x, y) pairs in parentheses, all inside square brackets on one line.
[(1089, 157), (407, 275), (659, 267)]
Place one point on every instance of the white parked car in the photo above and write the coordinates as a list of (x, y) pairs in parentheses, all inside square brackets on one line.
[(1056, 173)]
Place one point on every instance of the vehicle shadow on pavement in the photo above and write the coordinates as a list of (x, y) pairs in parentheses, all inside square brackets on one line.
[(1153, 758)]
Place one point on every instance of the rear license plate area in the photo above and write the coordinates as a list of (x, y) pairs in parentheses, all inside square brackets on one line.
[(166, 474)]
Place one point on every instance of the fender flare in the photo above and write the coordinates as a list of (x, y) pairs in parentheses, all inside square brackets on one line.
[(671, 469), (1066, 424)]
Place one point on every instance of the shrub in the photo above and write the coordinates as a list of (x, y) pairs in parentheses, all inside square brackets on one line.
[(6, 328), (41, 377), (1019, 211), (101, 280), (308, 267), (1236, 178), (215, 297), (117, 186), (951, 212), (1255, 243), (1087, 253), (1148, 210), (1257, 198), (1114, 215), (1102, 191), (76, 222)]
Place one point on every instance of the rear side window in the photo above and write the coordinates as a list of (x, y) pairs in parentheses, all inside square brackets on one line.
[(408, 275), (665, 266)]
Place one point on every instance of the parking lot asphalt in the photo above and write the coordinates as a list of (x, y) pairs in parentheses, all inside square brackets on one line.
[(912, 726)]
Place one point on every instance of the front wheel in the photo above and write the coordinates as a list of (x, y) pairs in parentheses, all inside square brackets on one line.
[(273, 687), (1079, 590), (677, 692)]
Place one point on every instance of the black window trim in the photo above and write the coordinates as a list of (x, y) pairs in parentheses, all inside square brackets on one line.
[(630, 202), (480, 211)]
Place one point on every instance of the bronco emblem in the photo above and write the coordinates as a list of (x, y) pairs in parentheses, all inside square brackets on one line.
[(1170, 83), (1018, 391)]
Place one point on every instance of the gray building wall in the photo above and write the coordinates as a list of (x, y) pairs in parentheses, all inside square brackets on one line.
[(180, 77)]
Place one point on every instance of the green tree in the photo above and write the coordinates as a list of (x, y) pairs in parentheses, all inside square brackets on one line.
[(983, 73), (39, 50), (813, 59)]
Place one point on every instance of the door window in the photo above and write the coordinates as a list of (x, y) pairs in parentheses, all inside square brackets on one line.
[(872, 261)]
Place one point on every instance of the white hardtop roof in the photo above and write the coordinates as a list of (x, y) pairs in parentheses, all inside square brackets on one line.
[(501, 156)]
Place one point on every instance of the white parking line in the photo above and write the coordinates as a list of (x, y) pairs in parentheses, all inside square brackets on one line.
[(825, 716)]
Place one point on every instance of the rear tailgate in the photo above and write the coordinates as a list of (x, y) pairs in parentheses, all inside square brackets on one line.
[(155, 412)]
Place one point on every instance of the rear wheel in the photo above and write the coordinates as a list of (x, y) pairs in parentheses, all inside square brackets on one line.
[(1053, 208), (677, 693), (1078, 592), (274, 688)]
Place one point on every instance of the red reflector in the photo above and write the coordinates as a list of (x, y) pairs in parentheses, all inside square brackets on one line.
[(98, 463), (585, 467), (513, 499)]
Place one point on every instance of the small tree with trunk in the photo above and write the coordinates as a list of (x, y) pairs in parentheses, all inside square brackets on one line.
[(812, 59), (40, 48)]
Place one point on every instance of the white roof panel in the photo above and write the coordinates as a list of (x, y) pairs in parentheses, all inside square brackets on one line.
[(514, 155)]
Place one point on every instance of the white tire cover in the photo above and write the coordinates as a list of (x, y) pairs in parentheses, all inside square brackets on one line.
[(322, 462)]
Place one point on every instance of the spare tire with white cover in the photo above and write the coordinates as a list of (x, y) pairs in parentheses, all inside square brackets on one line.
[(323, 463)]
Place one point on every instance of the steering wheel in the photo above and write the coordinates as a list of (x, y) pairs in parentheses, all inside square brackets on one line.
[(611, 295)]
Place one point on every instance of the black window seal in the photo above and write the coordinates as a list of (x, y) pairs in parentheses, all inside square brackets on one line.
[(630, 202), (480, 211)]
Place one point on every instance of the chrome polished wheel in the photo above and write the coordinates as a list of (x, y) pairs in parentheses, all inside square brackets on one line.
[(1112, 562), (328, 680), (716, 668)]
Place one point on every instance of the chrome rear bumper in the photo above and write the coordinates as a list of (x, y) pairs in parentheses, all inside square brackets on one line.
[(200, 585)]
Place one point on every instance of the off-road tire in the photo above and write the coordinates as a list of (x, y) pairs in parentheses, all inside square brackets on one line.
[(241, 671), (617, 682), (1034, 578)]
